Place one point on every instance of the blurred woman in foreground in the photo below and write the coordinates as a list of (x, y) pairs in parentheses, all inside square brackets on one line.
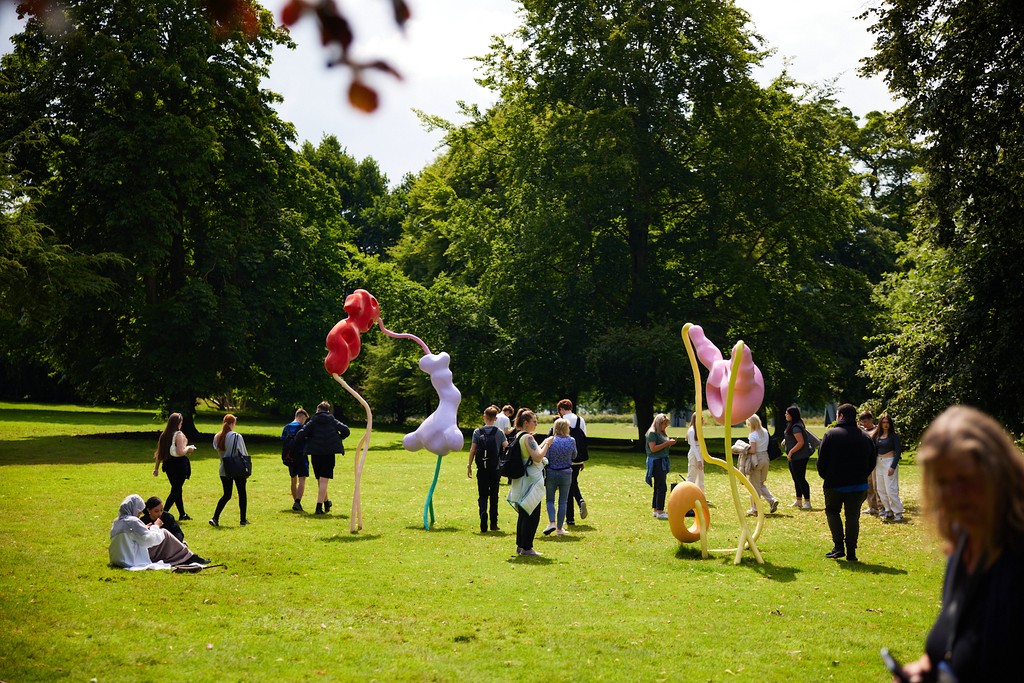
[(973, 485)]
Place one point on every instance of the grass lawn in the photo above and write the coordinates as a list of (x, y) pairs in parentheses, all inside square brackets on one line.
[(302, 599)]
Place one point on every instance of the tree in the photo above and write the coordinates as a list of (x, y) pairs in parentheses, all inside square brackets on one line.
[(960, 69), (633, 177), (145, 134), (371, 210)]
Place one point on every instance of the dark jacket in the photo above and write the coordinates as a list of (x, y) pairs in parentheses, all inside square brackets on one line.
[(169, 523), (322, 435), (846, 457)]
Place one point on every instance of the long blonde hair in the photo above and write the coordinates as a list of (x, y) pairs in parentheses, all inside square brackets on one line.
[(227, 426), (657, 426), (961, 432)]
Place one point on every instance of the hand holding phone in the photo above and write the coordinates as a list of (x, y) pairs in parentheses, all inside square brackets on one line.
[(894, 667)]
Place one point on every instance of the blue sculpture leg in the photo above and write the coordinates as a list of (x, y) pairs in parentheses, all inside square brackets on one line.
[(428, 507)]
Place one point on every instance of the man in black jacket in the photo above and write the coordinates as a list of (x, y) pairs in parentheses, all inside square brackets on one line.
[(845, 460)]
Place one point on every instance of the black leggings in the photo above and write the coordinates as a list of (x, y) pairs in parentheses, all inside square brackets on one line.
[(798, 468), (240, 485), (178, 471), (526, 527)]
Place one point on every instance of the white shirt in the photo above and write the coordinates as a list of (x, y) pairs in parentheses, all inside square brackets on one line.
[(502, 422), (758, 441), (571, 418), (691, 438)]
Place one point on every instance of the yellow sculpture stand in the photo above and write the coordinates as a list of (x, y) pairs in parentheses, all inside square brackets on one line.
[(682, 494)]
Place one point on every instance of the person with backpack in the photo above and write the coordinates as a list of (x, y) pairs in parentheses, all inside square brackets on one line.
[(294, 457), (488, 443), (578, 431), (228, 442), (321, 438), (798, 452), (527, 490)]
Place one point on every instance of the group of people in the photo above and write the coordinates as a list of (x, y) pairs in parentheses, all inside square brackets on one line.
[(972, 482), (146, 535), (551, 470), (318, 439), (753, 461)]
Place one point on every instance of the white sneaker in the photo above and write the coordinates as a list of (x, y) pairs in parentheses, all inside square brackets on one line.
[(561, 532), (583, 509), (661, 515), (796, 504), (751, 513), (807, 505)]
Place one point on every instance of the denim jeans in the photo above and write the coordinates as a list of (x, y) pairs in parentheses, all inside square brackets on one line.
[(560, 481)]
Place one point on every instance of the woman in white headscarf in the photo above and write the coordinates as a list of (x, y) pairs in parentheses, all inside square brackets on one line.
[(134, 545)]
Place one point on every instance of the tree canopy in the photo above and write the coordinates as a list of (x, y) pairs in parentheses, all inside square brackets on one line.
[(954, 317)]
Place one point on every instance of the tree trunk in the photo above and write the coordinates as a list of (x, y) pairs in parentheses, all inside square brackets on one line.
[(186, 405), (644, 414)]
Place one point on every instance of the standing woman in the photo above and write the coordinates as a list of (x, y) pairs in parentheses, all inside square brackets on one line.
[(798, 452), (658, 445), (558, 476), (526, 492), (227, 441), (694, 459), (758, 455), (172, 449), (887, 478)]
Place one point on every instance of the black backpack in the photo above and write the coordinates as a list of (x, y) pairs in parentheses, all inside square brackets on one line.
[(487, 458), (581, 441), (510, 462), (288, 436), (774, 450)]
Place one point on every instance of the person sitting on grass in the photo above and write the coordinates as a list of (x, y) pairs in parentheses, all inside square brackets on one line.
[(134, 545), (155, 511)]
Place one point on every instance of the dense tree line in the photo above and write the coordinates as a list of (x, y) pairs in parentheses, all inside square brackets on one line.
[(953, 315), (632, 176)]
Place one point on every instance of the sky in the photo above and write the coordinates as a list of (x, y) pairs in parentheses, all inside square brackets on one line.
[(818, 41)]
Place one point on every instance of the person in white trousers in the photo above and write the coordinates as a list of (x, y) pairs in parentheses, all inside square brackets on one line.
[(887, 476), (758, 454), (694, 460)]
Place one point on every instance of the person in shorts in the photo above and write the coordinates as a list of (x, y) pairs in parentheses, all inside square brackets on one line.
[(295, 457), (321, 439)]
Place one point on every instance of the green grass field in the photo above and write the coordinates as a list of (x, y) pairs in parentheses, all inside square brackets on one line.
[(302, 599)]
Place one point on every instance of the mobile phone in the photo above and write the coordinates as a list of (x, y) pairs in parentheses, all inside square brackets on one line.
[(894, 667)]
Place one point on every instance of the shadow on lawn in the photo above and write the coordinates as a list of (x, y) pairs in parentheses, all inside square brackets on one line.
[(348, 537)]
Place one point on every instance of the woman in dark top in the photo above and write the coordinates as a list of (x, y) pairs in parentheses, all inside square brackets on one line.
[(172, 449), (973, 486), (798, 455), (155, 510), (886, 474)]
